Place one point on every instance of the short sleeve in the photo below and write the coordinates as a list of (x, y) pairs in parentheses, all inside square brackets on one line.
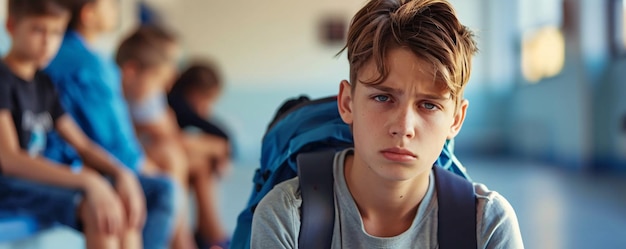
[(276, 220), (5, 95), (498, 226), (56, 110)]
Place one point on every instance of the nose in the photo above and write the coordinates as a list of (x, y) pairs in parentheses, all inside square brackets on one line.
[(403, 122)]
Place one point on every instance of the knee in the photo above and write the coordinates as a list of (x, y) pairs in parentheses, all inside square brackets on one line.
[(163, 207), (161, 196), (172, 158)]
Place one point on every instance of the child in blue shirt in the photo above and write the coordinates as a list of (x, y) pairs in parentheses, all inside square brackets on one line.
[(147, 59), (90, 90)]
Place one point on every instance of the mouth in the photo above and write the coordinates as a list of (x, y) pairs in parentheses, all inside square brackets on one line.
[(398, 154)]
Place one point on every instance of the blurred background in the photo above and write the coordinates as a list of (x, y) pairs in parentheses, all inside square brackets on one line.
[(547, 120)]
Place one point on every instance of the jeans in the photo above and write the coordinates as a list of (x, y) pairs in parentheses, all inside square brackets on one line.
[(51, 206)]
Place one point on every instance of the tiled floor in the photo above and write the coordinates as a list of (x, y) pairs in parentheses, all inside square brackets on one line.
[(556, 209)]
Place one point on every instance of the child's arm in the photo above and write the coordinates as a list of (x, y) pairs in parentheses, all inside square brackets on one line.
[(94, 156), (160, 129), (15, 162), (91, 153)]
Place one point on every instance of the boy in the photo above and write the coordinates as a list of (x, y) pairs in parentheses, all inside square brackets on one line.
[(89, 88), (409, 63), (29, 108), (147, 61)]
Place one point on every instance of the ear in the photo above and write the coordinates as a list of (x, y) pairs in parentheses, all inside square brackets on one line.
[(129, 71), (459, 118), (10, 25), (129, 68), (344, 102)]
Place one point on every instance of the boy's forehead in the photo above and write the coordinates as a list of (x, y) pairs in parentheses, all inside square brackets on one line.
[(405, 69), (43, 19), (174, 52)]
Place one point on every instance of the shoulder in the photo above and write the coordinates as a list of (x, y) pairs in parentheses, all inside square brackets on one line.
[(276, 220), (71, 51), (497, 222), (6, 76), (492, 203), (73, 47), (281, 205), (284, 195), (8, 81)]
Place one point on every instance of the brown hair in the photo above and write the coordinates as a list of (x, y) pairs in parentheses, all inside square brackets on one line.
[(201, 75), (75, 7), (147, 46), (24, 8), (429, 28)]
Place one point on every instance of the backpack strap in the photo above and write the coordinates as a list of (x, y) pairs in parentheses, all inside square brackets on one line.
[(456, 197), (457, 211), (315, 170)]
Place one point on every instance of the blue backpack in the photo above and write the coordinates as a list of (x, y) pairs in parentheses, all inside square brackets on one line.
[(301, 141)]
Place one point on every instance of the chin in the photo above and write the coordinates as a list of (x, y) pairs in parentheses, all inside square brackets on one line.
[(403, 172), (398, 172), (43, 63)]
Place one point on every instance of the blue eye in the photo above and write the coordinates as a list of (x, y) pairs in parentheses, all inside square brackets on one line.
[(429, 106), (381, 98)]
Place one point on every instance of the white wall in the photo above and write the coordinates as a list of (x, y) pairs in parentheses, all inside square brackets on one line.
[(263, 43), (274, 42)]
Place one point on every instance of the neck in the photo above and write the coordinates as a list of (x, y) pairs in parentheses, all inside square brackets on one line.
[(89, 35), (387, 207), (20, 66)]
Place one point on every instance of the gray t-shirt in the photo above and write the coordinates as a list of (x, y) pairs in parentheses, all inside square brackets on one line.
[(276, 222)]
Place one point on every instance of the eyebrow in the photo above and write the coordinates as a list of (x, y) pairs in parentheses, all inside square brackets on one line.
[(400, 92)]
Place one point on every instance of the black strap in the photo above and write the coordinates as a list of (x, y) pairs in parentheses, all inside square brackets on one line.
[(457, 211), (315, 171)]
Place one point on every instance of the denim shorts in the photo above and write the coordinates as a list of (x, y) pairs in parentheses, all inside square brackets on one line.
[(51, 206), (48, 205)]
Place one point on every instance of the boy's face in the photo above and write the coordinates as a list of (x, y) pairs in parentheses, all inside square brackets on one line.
[(106, 13), (400, 125), (158, 76), (203, 102), (37, 38)]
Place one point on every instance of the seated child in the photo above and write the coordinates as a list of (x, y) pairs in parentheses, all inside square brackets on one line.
[(410, 61), (147, 60), (192, 98), (109, 215), (89, 89)]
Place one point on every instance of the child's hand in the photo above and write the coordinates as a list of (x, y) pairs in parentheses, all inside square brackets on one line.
[(103, 205), (221, 158), (221, 166), (132, 197)]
